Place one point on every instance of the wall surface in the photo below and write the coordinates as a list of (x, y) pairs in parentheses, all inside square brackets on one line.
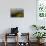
[(24, 24)]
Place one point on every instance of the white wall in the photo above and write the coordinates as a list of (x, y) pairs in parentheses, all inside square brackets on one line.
[(24, 24)]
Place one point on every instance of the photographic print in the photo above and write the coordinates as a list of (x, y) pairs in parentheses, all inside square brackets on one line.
[(17, 12)]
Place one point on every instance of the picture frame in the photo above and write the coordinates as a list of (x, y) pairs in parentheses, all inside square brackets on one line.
[(17, 12)]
